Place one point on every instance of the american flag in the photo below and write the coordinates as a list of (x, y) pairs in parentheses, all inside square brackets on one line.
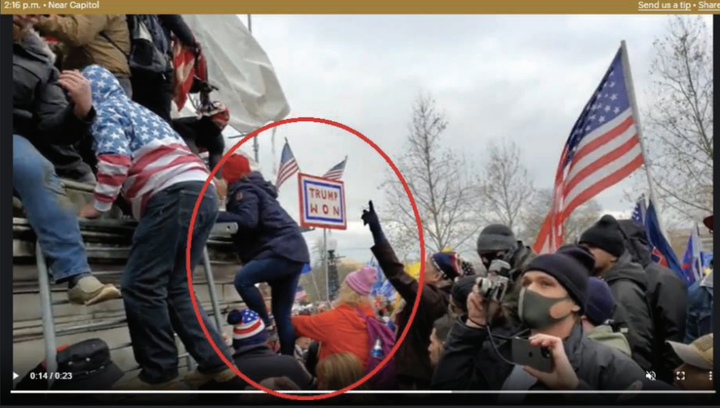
[(288, 165), (336, 172), (300, 293), (602, 149)]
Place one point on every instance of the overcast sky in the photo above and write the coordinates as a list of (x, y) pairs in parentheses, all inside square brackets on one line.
[(524, 78)]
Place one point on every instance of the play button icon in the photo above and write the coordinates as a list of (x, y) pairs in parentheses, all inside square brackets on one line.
[(15, 376)]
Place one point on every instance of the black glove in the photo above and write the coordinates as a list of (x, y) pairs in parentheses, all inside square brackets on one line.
[(371, 219)]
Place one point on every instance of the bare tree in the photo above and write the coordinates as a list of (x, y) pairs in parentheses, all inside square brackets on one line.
[(438, 181), (581, 219), (680, 121), (505, 188)]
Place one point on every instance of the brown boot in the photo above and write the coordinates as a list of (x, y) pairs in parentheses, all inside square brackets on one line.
[(196, 379)]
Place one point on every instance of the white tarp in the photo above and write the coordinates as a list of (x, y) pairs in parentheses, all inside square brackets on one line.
[(241, 70)]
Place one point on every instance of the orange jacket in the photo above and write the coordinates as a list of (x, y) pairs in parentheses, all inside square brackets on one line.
[(339, 330)]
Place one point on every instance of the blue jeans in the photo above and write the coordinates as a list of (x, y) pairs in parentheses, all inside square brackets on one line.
[(49, 211), (155, 287), (282, 275)]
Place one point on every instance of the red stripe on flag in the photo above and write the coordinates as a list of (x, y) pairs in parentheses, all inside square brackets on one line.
[(116, 159), (602, 162), (115, 181), (601, 185), (610, 135)]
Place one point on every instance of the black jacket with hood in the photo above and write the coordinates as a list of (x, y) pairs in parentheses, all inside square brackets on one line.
[(42, 112), (413, 360), (667, 296), (628, 284), (265, 229)]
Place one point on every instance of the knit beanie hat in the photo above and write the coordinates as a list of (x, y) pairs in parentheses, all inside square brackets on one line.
[(248, 328), (496, 237), (235, 167), (362, 280), (451, 265), (571, 266), (461, 290), (605, 234), (600, 302)]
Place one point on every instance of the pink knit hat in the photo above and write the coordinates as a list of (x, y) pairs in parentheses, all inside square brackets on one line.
[(361, 281)]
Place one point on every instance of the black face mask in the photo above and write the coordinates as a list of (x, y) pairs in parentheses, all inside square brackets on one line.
[(488, 257)]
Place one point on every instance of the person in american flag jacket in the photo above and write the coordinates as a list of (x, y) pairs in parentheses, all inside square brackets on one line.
[(140, 154)]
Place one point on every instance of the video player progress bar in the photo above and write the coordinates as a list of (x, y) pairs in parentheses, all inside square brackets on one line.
[(358, 392)]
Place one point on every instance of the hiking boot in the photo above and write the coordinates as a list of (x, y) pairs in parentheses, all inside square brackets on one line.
[(89, 291), (196, 379), (136, 384)]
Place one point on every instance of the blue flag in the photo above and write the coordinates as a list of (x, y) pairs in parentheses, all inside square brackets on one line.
[(306, 269), (692, 261), (662, 252)]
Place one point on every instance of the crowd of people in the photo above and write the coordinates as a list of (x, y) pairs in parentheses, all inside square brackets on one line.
[(601, 311)]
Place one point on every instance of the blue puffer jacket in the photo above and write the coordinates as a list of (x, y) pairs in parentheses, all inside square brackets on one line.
[(264, 228)]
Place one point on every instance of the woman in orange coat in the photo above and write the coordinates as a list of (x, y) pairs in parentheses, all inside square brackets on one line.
[(342, 329)]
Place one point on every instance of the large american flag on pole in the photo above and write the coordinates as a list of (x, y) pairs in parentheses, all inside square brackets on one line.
[(337, 171), (288, 165), (602, 149)]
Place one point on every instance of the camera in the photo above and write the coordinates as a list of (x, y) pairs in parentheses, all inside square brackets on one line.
[(493, 288)]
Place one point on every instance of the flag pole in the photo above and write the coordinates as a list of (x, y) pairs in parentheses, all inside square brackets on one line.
[(274, 163), (629, 85), (256, 144), (326, 264)]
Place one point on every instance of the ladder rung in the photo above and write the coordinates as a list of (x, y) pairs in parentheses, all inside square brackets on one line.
[(92, 326)]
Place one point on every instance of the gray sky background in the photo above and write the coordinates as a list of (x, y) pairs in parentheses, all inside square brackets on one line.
[(525, 78)]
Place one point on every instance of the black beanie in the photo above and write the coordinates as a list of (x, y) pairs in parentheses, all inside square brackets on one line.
[(571, 266), (605, 234), (496, 237)]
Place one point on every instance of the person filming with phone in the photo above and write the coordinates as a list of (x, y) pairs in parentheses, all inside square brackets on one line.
[(550, 352)]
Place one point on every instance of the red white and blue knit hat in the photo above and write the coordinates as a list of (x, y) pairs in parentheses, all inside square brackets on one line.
[(246, 324)]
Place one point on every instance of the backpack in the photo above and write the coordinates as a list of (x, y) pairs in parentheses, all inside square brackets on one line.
[(149, 46), (385, 379)]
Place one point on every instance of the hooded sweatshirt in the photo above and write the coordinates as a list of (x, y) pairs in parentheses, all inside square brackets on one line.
[(669, 318), (628, 284), (138, 153), (265, 229), (605, 334)]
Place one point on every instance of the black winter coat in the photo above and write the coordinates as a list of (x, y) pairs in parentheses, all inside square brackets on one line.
[(42, 113), (667, 296), (265, 229), (628, 284), (469, 362), (258, 362), (412, 358)]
